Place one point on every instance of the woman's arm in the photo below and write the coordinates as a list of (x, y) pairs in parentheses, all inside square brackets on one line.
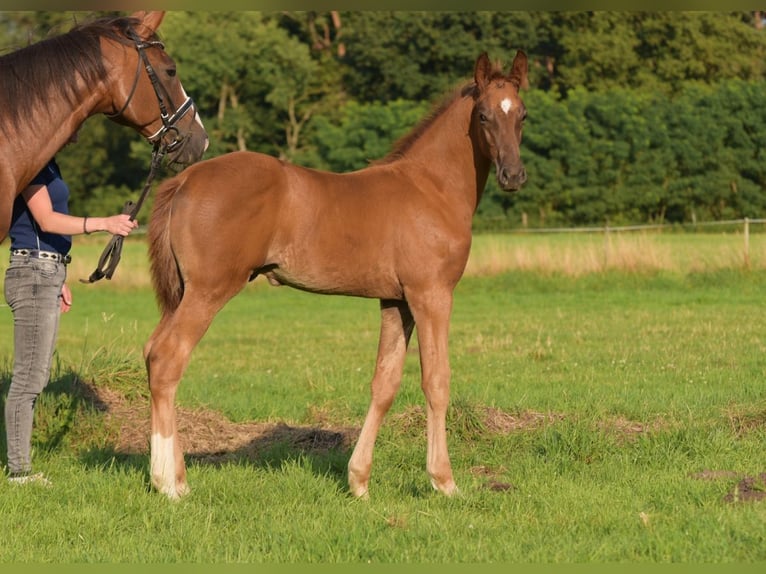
[(39, 203)]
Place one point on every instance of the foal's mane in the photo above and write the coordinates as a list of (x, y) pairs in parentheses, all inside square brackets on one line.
[(403, 145), (32, 76)]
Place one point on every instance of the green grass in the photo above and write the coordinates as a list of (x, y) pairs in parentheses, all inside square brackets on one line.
[(645, 393)]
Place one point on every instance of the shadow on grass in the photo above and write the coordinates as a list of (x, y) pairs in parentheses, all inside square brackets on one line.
[(104, 429), (321, 450), (56, 410), (326, 451)]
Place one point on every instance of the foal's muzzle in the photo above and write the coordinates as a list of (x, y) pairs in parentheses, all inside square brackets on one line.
[(510, 178)]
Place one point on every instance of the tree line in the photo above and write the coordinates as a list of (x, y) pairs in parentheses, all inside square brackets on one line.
[(634, 117)]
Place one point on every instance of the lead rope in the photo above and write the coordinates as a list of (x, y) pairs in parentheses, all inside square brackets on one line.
[(107, 263)]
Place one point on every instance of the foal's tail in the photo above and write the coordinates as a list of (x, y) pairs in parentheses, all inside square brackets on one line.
[(166, 277)]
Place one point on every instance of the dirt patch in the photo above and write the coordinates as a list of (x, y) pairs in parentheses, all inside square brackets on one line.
[(624, 426), (492, 478), (487, 419), (501, 422), (208, 435), (715, 474), (747, 488)]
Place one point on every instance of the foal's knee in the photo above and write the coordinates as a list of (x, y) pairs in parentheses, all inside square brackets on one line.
[(436, 390)]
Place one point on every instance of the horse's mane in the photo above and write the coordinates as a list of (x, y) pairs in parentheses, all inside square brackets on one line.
[(51, 68), (403, 145)]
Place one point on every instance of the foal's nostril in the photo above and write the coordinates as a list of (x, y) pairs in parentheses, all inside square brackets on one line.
[(504, 176)]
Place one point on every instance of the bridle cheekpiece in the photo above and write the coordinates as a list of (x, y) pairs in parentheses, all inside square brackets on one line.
[(110, 257), (168, 120)]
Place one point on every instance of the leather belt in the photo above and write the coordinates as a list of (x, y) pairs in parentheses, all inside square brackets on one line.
[(38, 254)]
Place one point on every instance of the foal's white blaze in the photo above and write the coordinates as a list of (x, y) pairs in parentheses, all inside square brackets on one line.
[(163, 465), (506, 105)]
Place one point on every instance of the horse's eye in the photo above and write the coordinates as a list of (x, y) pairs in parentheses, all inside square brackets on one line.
[(172, 72), (482, 118)]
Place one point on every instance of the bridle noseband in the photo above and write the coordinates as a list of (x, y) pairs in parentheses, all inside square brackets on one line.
[(168, 120)]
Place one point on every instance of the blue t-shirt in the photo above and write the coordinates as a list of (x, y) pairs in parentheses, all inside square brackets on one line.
[(24, 231)]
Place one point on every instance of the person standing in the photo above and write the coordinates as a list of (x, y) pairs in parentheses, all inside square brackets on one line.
[(36, 292)]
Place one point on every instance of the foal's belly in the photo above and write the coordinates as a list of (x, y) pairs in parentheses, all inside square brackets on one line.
[(337, 279)]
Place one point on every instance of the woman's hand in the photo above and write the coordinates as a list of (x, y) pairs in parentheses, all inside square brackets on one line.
[(118, 224), (66, 298)]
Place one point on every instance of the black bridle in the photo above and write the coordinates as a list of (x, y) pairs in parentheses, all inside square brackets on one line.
[(168, 120), (110, 257)]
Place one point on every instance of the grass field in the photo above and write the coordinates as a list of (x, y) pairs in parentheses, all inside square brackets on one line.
[(609, 405)]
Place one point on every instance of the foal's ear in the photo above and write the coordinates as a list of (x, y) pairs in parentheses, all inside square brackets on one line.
[(482, 71), (518, 73), (150, 21)]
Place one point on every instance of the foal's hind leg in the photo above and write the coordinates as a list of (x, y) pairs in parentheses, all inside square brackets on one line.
[(167, 355), (395, 331)]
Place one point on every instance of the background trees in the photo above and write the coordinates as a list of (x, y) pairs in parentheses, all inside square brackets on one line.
[(633, 116)]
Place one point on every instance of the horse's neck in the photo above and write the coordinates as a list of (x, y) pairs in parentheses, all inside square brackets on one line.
[(446, 150), (39, 139)]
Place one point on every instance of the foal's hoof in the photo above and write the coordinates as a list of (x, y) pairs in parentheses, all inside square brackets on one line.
[(359, 488), (360, 491), (448, 488), (174, 492)]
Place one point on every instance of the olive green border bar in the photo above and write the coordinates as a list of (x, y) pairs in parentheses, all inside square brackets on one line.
[(462, 568), (432, 5)]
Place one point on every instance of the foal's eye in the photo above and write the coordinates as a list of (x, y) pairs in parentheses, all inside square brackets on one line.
[(482, 118)]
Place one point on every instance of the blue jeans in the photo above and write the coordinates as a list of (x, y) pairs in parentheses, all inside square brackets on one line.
[(32, 291)]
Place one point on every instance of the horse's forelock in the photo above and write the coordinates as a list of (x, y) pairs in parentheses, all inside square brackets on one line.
[(112, 28), (497, 74)]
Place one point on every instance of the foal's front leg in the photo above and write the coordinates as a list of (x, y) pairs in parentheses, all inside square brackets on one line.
[(395, 331), (432, 313)]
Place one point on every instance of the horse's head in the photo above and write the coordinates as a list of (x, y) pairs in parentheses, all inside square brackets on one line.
[(498, 118), (146, 92)]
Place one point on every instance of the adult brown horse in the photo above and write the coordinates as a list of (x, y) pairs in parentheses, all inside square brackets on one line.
[(115, 66), (398, 231)]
